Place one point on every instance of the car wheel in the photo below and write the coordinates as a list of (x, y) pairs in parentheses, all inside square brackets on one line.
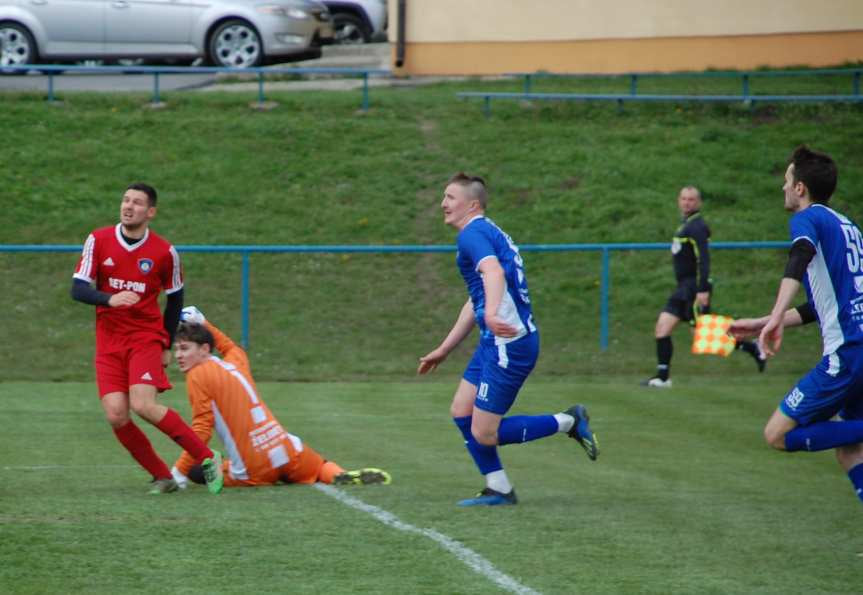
[(349, 29), (16, 46), (236, 44)]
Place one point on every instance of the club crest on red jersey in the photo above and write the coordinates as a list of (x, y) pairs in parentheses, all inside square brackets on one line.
[(145, 265)]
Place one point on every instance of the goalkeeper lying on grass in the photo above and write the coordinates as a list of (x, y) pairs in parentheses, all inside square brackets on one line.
[(223, 396)]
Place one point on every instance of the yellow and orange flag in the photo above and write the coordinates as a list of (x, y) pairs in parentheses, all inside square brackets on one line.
[(711, 335)]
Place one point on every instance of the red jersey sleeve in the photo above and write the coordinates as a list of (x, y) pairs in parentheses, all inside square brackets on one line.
[(171, 271), (199, 387), (88, 264)]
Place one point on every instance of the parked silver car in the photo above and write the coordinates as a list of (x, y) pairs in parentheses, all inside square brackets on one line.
[(358, 21), (238, 33)]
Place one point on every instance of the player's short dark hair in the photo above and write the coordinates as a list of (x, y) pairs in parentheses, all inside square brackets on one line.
[(475, 186), (195, 333), (817, 171), (146, 189)]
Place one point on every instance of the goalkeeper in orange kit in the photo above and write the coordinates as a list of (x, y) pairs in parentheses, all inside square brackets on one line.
[(223, 396)]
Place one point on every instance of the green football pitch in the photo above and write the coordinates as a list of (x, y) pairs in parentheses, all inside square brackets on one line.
[(685, 498)]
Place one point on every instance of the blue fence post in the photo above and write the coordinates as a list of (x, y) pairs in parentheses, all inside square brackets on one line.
[(156, 98), (856, 84), (604, 289), (745, 86), (244, 300), (365, 91), (260, 86), (50, 86), (633, 85), (527, 84), (487, 107)]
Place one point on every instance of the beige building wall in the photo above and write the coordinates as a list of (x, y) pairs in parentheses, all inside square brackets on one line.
[(500, 36)]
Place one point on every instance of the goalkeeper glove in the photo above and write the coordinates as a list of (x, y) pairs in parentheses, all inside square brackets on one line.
[(193, 315)]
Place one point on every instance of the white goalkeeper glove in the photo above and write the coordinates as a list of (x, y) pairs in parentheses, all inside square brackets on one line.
[(193, 315), (182, 480)]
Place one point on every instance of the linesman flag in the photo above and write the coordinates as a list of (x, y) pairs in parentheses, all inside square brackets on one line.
[(711, 335)]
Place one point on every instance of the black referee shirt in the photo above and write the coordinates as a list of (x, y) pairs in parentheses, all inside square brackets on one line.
[(690, 251)]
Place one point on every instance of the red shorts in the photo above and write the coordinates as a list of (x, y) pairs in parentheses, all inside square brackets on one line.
[(117, 371)]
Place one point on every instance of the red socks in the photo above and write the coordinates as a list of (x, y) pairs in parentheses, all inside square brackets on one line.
[(138, 445), (180, 432)]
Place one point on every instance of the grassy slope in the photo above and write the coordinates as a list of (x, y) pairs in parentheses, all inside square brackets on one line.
[(314, 171)]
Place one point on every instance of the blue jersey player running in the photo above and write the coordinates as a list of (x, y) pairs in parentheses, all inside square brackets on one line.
[(498, 303), (825, 409)]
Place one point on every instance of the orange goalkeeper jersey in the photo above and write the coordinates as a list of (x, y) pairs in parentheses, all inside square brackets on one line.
[(223, 396)]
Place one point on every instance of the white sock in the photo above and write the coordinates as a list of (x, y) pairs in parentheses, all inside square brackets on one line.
[(564, 422), (498, 481)]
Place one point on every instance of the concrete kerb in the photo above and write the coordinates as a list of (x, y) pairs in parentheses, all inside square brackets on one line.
[(336, 84)]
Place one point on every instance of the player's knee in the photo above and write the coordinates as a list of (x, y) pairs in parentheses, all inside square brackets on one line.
[(152, 412), (457, 410), (485, 437), (849, 456), (774, 438), (117, 418)]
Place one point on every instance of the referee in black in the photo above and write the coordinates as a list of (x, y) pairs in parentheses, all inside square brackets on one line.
[(690, 252)]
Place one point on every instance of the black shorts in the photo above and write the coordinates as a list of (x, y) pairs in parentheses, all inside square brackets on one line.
[(681, 302)]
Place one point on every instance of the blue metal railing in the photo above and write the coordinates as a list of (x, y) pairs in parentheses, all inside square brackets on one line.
[(745, 95), (52, 70), (744, 75), (246, 250)]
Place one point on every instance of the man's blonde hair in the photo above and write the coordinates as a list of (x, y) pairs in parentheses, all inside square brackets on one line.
[(475, 186)]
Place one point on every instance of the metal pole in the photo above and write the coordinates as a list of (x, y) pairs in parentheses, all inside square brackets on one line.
[(366, 91), (156, 88), (244, 301), (604, 289), (527, 84), (633, 85), (856, 85), (745, 86), (50, 86), (401, 39), (487, 108), (260, 86)]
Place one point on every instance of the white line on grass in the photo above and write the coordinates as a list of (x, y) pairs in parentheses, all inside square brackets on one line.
[(52, 467), (472, 559)]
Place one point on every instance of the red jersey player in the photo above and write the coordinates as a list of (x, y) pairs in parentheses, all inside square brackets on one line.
[(224, 397), (130, 265)]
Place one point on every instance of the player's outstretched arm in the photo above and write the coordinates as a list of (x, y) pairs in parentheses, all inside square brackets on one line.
[(461, 329), (743, 328), (231, 352)]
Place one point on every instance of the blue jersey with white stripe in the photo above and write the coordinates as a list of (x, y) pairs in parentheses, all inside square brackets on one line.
[(834, 278), (481, 239)]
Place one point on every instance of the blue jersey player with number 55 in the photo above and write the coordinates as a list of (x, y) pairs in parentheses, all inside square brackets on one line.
[(825, 409), (499, 305)]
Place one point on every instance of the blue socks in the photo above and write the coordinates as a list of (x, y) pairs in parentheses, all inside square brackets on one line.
[(485, 457), (524, 428), (824, 435), (513, 430), (855, 474)]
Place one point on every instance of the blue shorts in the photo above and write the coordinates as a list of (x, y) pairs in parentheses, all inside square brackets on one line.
[(829, 388), (498, 371)]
